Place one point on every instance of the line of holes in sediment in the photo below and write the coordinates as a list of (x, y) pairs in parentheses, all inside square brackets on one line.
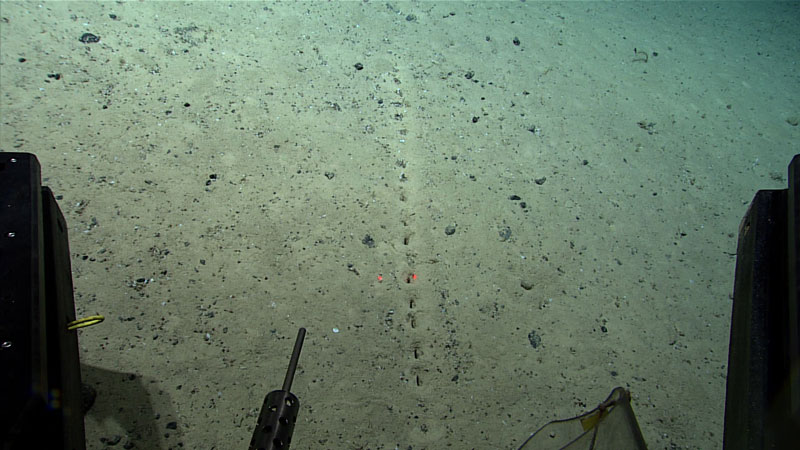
[(411, 303)]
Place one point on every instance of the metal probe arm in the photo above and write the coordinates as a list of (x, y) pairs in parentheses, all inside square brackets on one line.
[(279, 410)]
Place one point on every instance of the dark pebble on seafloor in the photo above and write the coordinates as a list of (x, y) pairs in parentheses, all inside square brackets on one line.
[(89, 38), (368, 241), (111, 441), (450, 229), (534, 339)]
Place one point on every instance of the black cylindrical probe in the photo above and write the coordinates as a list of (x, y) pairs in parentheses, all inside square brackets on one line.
[(279, 410), (298, 345)]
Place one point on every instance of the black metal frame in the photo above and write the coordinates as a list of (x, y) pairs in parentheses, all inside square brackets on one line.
[(762, 408), (40, 376)]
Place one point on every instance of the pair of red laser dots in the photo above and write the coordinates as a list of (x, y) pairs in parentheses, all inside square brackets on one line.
[(409, 279)]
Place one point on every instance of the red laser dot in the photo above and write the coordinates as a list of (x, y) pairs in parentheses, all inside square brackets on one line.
[(413, 276), (380, 277)]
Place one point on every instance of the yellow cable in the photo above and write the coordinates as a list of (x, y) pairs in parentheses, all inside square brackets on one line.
[(85, 322)]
